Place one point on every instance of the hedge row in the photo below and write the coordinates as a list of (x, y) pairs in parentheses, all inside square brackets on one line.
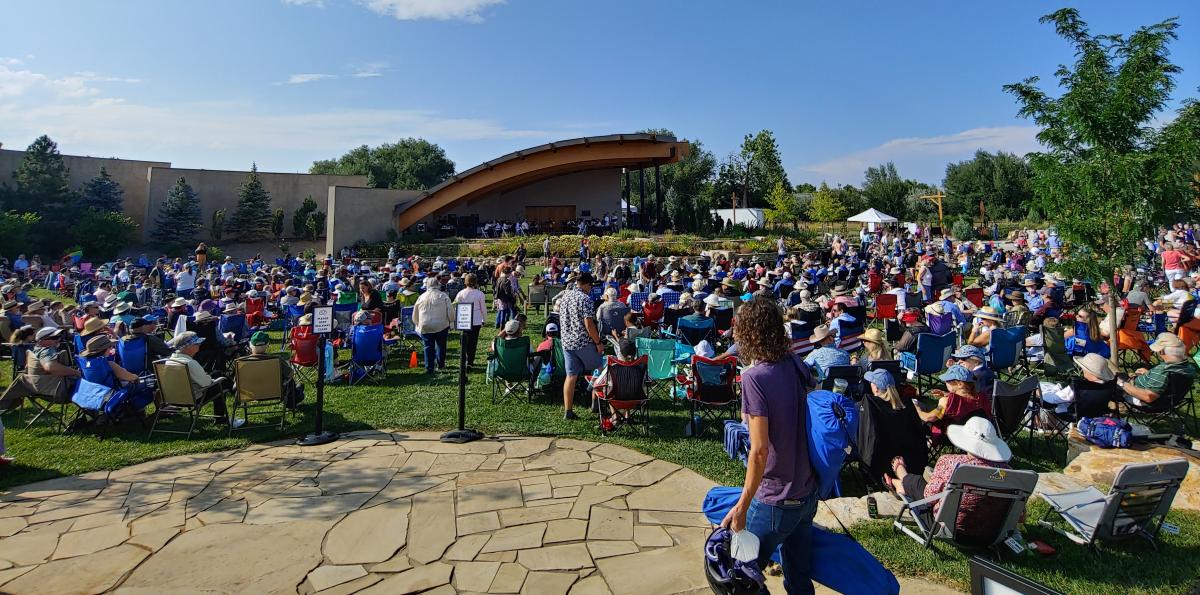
[(568, 245)]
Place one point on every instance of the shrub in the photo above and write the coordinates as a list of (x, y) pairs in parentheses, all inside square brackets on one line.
[(962, 230), (14, 231), (215, 256), (102, 234)]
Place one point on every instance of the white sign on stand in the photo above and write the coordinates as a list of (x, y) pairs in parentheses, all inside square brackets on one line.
[(323, 319), (463, 317)]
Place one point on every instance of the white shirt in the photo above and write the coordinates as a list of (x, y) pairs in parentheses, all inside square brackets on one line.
[(185, 280), (476, 299)]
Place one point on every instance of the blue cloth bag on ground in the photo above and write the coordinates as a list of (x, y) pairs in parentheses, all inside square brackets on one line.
[(832, 427), (838, 561)]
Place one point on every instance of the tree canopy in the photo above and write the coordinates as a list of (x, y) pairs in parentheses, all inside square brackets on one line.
[(685, 187), (410, 164), (1107, 175), (252, 218), (178, 220), (1001, 180), (102, 193)]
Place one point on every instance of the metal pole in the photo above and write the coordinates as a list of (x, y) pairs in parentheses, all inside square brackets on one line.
[(658, 196), (319, 435), (462, 434), (642, 198), (626, 192)]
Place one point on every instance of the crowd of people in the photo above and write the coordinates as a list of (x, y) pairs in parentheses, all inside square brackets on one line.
[(793, 322)]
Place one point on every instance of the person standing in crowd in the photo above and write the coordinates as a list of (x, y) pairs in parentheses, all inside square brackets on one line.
[(201, 254), (471, 295), (185, 281), (506, 298), (779, 498), (581, 341), (431, 317), (546, 251)]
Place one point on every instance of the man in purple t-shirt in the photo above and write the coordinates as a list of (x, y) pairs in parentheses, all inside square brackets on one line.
[(779, 498)]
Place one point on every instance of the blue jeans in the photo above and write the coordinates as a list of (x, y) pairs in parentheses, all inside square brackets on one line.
[(789, 527), (435, 349), (504, 314)]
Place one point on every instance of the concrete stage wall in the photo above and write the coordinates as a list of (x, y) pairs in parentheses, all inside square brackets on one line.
[(361, 214)]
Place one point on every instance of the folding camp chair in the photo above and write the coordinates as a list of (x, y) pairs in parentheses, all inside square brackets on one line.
[(256, 313), (508, 368), (1055, 360), (637, 299), (44, 401), (885, 307), (1006, 351), (801, 336), (1008, 488), (851, 374), (1176, 404), (940, 324), (623, 394), (1014, 405), (660, 364), (974, 295), (259, 389), (652, 314), (305, 358), (929, 359), (176, 396), (408, 330), (722, 319), (134, 355), (538, 297), (850, 337), (1132, 349), (694, 331), (1136, 506), (368, 358), (1017, 318), (711, 391), (893, 330)]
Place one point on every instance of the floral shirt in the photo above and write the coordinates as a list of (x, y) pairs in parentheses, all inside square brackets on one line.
[(574, 307)]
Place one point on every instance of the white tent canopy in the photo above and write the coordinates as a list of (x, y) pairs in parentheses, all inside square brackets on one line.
[(872, 216)]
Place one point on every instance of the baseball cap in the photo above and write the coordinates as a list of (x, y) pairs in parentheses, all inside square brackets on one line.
[(880, 378), (552, 327), (968, 351), (47, 332), (512, 327), (260, 338), (959, 373)]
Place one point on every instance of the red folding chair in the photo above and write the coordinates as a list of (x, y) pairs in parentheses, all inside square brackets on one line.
[(711, 389), (974, 295), (885, 307), (957, 280), (623, 394), (305, 357)]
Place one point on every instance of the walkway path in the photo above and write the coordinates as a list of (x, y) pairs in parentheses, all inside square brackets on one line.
[(376, 512)]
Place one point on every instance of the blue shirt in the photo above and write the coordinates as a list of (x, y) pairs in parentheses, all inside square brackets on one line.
[(952, 308), (821, 359)]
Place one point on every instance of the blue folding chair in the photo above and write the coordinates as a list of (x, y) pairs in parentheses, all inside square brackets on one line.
[(135, 355), (694, 331), (670, 298), (929, 359), (1006, 348), (234, 324), (637, 299), (801, 335), (367, 356)]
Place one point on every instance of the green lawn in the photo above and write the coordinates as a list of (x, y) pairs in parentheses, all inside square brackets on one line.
[(408, 399)]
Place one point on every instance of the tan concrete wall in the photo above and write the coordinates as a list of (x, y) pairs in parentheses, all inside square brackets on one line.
[(217, 189), (361, 214), (598, 191), (132, 175)]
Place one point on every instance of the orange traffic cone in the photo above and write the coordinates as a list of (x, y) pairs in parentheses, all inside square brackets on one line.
[(412, 360)]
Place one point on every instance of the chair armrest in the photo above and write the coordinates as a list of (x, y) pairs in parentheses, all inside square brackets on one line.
[(924, 501)]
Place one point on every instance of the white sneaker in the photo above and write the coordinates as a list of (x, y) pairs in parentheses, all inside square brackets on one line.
[(237, 423)]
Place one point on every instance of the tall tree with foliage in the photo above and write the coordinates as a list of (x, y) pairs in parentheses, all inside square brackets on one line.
[(102, 234), (685, 185), (102, 193), (1107, 176), (785, 209), (410, 164), (826, 206), (759, 167), (300, 217), (884, 190), (252, 218), (1001, 180), (178, 220), (42, 180)]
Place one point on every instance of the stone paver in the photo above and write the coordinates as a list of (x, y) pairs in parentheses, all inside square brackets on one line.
[(377, 512)]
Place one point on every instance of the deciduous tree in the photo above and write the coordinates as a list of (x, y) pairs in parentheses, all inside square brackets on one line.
[(411, 164)]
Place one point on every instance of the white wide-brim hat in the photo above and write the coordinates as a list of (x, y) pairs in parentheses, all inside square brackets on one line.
[(978, 437)]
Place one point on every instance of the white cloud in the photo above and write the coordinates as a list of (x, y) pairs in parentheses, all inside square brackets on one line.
[(300, 79), (316, 3), (6, 61), (922, 158), (92, 76), (441, 10), (371, 70)]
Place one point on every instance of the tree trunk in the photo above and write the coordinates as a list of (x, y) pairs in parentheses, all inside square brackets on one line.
[(1113, 325)]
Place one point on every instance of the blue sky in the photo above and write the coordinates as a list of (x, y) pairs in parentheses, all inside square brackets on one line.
[(220, 83)]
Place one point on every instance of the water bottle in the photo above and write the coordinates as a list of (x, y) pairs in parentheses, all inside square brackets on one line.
[(840, 385)]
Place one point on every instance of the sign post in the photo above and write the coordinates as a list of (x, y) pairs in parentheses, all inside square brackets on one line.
[(463, 320), (322, 326)]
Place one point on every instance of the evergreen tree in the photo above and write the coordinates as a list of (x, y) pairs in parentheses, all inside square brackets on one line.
[(300, 217), (178, 219), (252, 219), (42, 184), (102, 193)]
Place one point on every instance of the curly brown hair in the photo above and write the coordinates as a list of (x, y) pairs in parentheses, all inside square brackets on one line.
[(758, 331)]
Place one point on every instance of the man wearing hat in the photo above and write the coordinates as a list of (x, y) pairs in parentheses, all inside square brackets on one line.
[(949, 306), (156, 347), (205, 388), (260, 343), (973, 359), (46, 375), (824, 354), (1147, 386)]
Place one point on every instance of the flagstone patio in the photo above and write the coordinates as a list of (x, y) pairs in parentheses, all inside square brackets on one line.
[(375, 512)]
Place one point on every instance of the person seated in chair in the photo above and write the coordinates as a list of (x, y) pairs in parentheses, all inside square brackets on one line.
[(205, 388), (155, 345), (626, 352), (959, 401), (913, 326), (259, 349), (45, 373), (824, 354), (983, 447), (101, 346), (974, 360), (1098, 371), (1147, 386)]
